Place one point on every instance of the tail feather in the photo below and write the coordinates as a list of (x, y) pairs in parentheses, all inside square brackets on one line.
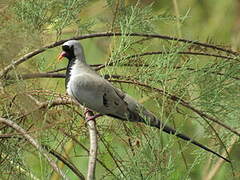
[(151, 120), (154, 122), (169, 130)]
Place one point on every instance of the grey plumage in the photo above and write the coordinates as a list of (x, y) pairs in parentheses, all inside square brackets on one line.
[(92, 91)]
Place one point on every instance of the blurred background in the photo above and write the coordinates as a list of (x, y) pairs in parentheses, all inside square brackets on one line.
[(128, 150)]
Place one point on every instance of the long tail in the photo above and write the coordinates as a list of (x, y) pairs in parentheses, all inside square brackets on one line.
[(170, 130), (155, 122), (151, 120)]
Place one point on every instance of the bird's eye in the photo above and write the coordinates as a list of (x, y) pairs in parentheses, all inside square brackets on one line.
[(65, 48)]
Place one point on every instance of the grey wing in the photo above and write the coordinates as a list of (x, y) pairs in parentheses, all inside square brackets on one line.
[(99, 95), (137, 112)]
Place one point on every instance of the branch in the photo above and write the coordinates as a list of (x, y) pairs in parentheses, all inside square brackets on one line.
[(66, 162), (85, 149), (93, 146), (161, 52), (35, 144), (112, 155), (108, 34), (100, 66)]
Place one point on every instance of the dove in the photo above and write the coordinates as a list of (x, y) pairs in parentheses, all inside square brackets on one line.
[(97, 94)]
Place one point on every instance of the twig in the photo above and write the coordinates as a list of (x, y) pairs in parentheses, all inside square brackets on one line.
[(85, 149), (156, 53), (161, 52), (108, 34), (112, 156), (66, 162), (35, 144), (93, 146)]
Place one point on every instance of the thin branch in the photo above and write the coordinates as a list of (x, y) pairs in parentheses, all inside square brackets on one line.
[(42, 75), (223, 145), (111, 154), (181, 52), (57, 70), (85, 149), (35, 144), (93, 146), (63, 101), (42, 105), (66, 162), (180, 101), (161, 52), (108, 34)]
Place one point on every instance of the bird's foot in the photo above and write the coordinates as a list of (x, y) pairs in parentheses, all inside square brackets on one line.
[(87, 111), (89, 115), (89, 118)]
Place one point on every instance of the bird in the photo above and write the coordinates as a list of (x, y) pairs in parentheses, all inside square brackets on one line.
[(85, 86)]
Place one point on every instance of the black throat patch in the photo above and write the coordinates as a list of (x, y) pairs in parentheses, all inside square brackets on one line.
[(69, 67)]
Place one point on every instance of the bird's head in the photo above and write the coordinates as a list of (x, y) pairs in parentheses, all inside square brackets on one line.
[(72, 50)]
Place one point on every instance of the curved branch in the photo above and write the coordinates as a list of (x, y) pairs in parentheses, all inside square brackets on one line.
[(108, 34), (100, 66), (35, 144)]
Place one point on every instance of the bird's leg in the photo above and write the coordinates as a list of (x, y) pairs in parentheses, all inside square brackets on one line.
[(89, 115)]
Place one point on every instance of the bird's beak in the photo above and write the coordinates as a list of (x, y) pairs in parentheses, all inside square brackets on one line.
[(62, 55)]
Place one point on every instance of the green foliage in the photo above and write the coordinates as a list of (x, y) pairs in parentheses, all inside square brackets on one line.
[(56, 14), (130, 150)]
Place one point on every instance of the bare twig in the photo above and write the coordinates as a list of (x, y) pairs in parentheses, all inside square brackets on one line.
[(161, 52), (111, 154), (108, 34), (35, 144), (66, 162), (85, 149), (93, 146), (99, 66)]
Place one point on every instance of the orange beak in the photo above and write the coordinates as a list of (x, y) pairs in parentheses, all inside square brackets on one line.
[(62, 55)]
